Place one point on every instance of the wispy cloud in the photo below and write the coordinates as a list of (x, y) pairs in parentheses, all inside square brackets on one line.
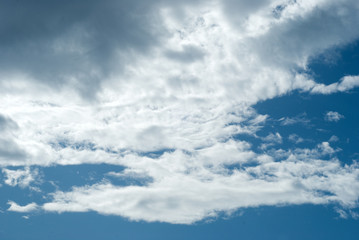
[(21, 177), (345, 84), (333, 116), (295, 138), (333, 139), (299, 119)]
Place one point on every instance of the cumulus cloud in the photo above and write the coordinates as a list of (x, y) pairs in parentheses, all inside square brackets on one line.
[(164, 89), (14, 207), (21, 177), (186, 188), (333, 116)]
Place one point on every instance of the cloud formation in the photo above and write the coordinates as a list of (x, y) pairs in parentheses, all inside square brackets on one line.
[(14, 207), (186, 188), (165, 89), (21, 178), (345, 84), (333, 116)]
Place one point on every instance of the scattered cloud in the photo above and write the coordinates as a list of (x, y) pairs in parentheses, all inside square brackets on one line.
[(333, 116), (271, 140), (299, 119), (295, 138), (345, 213), (163, 89), (14, 207), (22, 178), (202, 191), (346, 83), (342, 213), (333, 139)]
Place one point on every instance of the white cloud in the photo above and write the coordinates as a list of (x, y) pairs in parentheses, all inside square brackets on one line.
[(333, 116), (345, 213), (342, 213), (345, 84), (193, 90), (295, 138), (273, 138), (188, 188), (187, 93), (300, 119), (22, 178), (14, 207)]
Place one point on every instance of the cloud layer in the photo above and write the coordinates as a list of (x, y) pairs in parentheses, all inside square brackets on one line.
[(163, 89)]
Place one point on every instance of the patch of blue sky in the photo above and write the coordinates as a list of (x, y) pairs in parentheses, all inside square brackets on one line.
[(23, 193), (61, 178), (306, 112), (253, 223), (335, 63), (298, 118)]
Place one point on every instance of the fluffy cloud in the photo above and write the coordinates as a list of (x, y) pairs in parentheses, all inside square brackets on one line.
[(186, 188), (163, 89), (14, 207), (192, 89), (345, 84), (20, 177), (333, 116)]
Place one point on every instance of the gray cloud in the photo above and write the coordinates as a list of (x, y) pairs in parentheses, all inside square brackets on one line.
[(188, 54), (9, 149), (134, 57), (238, 11), (292, 40), (7, 123), (57, 42)]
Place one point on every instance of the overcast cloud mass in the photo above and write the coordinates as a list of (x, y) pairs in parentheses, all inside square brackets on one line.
[(165, 90)]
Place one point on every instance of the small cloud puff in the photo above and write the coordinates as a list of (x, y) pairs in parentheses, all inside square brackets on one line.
[(333, 139), (14, 207), (299, 119), (333, 116), (21, 178), (295, 138)]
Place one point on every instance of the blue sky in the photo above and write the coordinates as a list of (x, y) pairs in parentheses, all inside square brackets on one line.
[(162, 120)]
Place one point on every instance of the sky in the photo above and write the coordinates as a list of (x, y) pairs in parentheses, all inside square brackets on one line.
[(157, 119)]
